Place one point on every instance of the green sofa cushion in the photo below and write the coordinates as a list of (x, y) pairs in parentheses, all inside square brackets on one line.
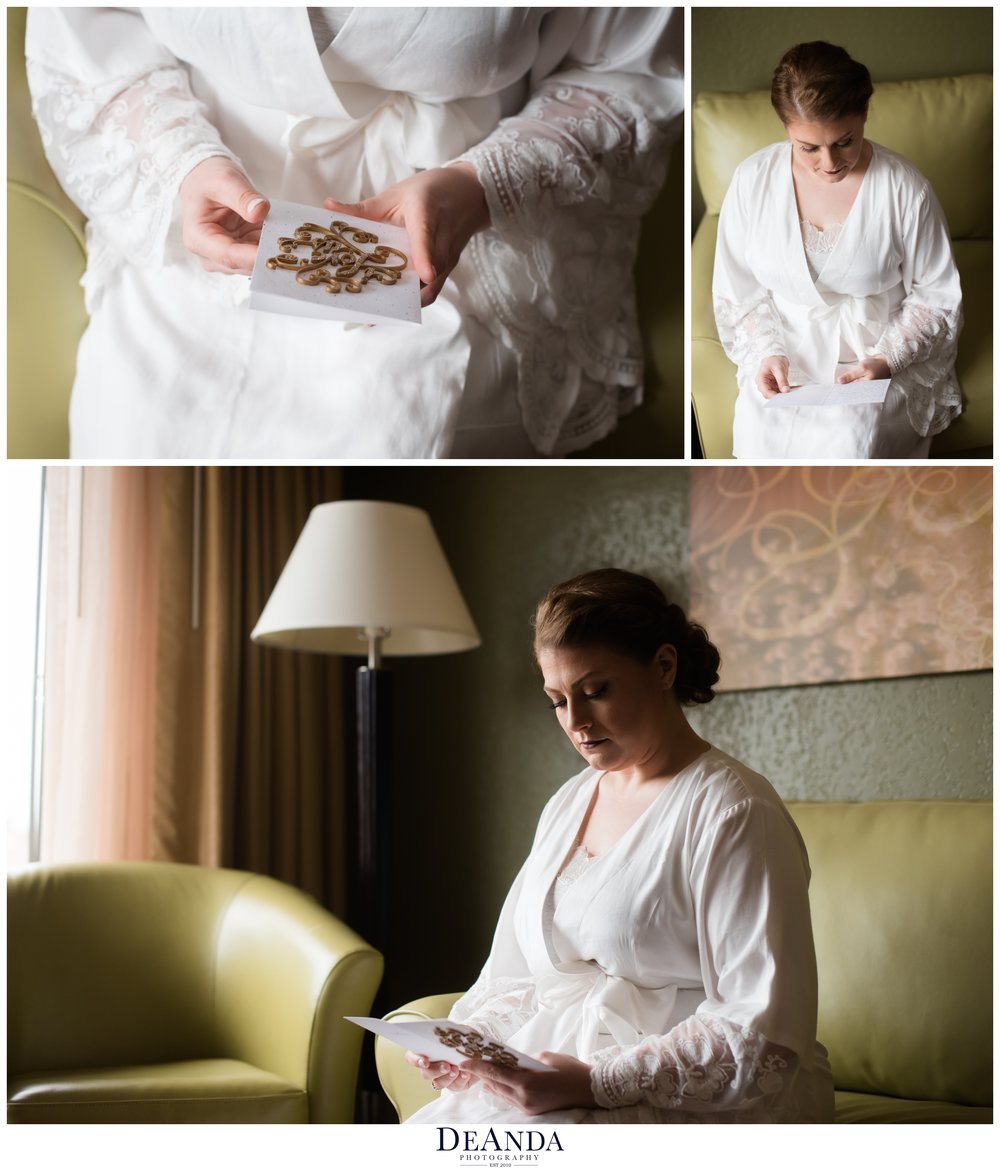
[(903, 920), (185, 1091), (878, 1109)]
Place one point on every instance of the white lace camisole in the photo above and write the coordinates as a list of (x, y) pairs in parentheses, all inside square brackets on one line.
[(819, 243)]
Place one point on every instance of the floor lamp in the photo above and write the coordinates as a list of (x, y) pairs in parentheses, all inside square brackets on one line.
[(368, 572)]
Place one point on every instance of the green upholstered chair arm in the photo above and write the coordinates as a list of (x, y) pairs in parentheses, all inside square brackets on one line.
[(713, 376), (403, 1085), (157, 966), (45, 261), (287, 974)]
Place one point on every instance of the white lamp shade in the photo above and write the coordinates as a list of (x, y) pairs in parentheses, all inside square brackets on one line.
[(361, 564)]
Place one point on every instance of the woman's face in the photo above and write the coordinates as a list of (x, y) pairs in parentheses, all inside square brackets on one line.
[(610, 706), (828, 150)]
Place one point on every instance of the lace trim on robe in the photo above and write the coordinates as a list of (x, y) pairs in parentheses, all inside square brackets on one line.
[(567, 181), (749, 333), (921, 344), (120, 152), (497, 1008), (704, 1064)]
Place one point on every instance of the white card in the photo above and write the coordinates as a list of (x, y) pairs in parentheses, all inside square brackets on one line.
[(317, 263), (833, 394), (425, 1037)]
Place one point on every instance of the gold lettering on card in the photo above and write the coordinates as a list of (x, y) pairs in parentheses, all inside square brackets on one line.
[(337, 258), (472, 1044)]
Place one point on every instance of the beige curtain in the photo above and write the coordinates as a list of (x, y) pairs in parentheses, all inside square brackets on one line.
[(168, 734)]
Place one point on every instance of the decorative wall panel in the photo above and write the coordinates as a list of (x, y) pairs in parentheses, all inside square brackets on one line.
[(817, 575)]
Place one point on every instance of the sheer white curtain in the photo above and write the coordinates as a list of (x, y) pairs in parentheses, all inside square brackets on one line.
[(168, 735), (103, 592)]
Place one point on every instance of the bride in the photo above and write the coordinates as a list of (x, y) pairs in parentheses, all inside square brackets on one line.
[(834, 264), (656, 948)]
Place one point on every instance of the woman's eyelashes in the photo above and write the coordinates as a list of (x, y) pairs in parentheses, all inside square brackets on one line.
[(810, 150), (597, 693)]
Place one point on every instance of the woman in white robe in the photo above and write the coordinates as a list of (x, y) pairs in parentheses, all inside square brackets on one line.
[(561, 119), (656, 946), (871, 293)]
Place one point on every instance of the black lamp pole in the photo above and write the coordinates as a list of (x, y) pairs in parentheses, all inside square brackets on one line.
[(373, 701), (373, 694)]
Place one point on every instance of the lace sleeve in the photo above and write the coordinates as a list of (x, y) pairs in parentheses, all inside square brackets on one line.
[(920, 342), (930, 319), (497, 1007), (704, 1064), (748, 323), (917, 334), (567, 181), (743, 1047), (749, 332), (119, 141)]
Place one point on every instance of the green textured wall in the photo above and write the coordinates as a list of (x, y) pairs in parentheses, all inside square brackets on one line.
[(478, 750), (736, 49)]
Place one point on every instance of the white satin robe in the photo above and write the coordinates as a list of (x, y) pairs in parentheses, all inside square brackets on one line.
[(566, 114), (889, 287), (680, 964)]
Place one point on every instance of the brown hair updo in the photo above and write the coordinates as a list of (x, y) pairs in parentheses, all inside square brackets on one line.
[(629, 614), (819, 82)]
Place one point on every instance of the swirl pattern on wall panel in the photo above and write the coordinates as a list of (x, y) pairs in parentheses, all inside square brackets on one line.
[(816, 575)]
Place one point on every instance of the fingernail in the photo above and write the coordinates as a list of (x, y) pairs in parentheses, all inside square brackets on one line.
[(255, 202)]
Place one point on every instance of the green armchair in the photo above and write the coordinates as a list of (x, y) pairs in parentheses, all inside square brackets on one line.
[(160, 992), (46, 256), (944, 127), (903, 921)]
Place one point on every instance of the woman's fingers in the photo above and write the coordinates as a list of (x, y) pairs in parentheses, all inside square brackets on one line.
[(772, 377), (853, 375), (441, 209), (221, 216), (429, 293), (367, 209), (220, 251), (411, 215), (441, 1074), (235, 191), (420, 241)]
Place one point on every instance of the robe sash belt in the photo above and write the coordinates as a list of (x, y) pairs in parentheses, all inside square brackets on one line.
[(606, 1004), (384, 137), (861, 320)]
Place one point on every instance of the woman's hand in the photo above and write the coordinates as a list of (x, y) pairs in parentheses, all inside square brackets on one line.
[(441, 1074), (876, 367), (442, 209), (221, 215), (532, 1092), (772, 377)]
